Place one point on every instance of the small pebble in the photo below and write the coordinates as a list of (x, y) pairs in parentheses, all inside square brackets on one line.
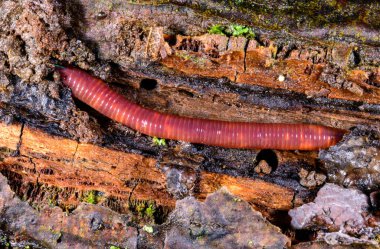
[(281, 78), (101, 15), (263, 168)]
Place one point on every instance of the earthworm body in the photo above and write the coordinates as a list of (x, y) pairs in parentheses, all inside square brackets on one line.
[(95, 93)]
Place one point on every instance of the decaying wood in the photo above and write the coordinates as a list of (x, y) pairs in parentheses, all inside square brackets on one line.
[(10, 136), (64, 163)]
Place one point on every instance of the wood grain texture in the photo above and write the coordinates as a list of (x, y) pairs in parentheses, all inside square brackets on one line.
[(10, 136), (78, 167), (98, 95)]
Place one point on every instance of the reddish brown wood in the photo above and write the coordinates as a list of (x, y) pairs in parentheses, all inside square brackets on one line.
[(98, 95), (58, 162)]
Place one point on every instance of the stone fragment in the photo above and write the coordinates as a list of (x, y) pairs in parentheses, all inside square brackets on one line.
[(222, 221), (88, 226)]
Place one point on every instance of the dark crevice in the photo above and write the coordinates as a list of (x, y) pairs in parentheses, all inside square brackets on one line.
[(23, 52), (245, 56), (189, 44), (228, 42), (270, 157), (17, 152), (372, 80), (171, 39), (236, 74), (186, 93), (148, 84), (356, 58), (304, 236)]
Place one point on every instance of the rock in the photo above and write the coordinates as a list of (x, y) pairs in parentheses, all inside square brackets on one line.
[(355, 162), (337, 209), (88, 226), (323, 245), (334, 207), (263, 168), (222, 221), (311, 179), (179, 183)]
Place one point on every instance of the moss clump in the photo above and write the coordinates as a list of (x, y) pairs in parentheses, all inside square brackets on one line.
[(240, 30), (150, 210), (145, 211), (235, 30), (91, 197), (217, 30), (159, 141)]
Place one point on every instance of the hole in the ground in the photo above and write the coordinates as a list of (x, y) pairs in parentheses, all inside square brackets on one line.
[(148, 84), (50, 76), (270, 157), (356, 57), (304, 236), (171, 39)]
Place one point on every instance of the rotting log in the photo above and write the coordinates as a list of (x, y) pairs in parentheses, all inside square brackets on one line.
[(248, 62), (65, 163)]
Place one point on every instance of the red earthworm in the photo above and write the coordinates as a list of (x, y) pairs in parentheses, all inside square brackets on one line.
[(102, 98)]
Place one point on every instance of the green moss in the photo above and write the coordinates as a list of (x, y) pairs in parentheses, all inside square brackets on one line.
[(217, 29), (114, 247), (53, 199), (306, 14), (159, 141), (235, 30), (150, 210), (240, 30), (91, 197), (145, 211), (183, 55)]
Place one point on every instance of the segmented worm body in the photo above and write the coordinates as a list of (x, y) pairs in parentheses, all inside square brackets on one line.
[(102, 98)]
